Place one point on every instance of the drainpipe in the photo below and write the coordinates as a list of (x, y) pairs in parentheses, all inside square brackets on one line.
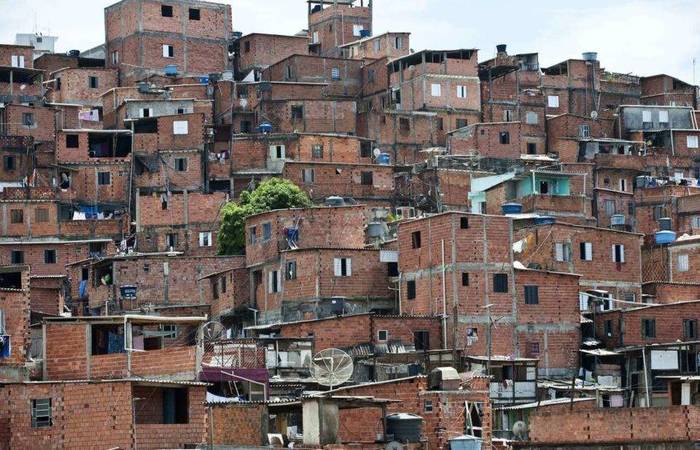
[(444, 300), (646, 375)]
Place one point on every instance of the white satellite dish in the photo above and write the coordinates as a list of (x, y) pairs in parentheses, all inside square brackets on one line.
[(331, 367), (376, 152), (594, 115), (213, 330), (520, 430)]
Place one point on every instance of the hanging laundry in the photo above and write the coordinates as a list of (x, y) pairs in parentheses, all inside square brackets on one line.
[(82, 290)]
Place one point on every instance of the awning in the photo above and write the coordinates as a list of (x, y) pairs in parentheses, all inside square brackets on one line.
[(219, 374), (599, 352)]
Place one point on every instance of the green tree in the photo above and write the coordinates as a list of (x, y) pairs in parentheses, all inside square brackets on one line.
[(271, 194)]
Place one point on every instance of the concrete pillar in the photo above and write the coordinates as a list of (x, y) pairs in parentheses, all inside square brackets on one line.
[(320, 422)]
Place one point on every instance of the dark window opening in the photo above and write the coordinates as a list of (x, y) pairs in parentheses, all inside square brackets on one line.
[(648, 328), (608, 328), (461, 123), (161, 405), (50, 256), (504, 137), (291, 272), (194, 14), (108, 145), (28, 119), (440, 124), (465, 279), (500, 282), (531, 148), (532, 295), (9, 163), (411, 289), (72, 141), (166, 10), (16, 216), (93, 82), (404, 125), (11, 280), (246, 46), (146, 126), (104, 178), (415, 239), (17, 257), (181, 164), (421, 340), (464, 223), (107, 339), (690, 328), (367, 178), (365, 149), (246, 126), (41, 413), (393, 269), (297, 112)]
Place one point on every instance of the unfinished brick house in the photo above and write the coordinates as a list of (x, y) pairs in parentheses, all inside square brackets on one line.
[(667, 90), (83, 86), (333, 23), (14, 323), (388, 45), (258, 51)]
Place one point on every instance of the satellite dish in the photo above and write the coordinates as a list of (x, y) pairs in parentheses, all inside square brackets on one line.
[(376, 152), (331, 367), (520, 430), (212, 331), (594, 115), (393, 445)]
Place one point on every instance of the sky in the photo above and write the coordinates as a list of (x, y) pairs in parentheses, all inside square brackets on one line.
[(642, 37)]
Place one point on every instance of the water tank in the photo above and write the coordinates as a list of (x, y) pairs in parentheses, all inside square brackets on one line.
[(641, 181), (171, 70), (590, 56), (384, 159), (512, 208), (375, 229), (75, 53), (335, 201), (501, 48), (265, 127), (404, 427), (617, 219), (665, 223), (665, 237), (365, 33), (465, 443), (545, 220)]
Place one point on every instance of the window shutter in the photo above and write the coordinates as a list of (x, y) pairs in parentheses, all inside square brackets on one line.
[(559, 251), (348, 267), (201, 239), (166, 52), (279, 280), (270, 277), (337, 268), (622, 253)]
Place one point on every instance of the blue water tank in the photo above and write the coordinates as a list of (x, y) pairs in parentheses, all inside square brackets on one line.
[(384, 159), (365, 33), (465, 443), (265, 127), (203, 80), (5, 346), (545, 220), (512, 208), (665, 237), (171, 70), (665, 223)]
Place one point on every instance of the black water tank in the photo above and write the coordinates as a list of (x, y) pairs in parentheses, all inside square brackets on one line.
[(74, 52), (404, 427), (501, 48)]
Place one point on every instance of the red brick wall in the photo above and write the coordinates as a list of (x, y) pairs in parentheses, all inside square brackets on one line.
[(343, 180), (15, 304), (267, 49), (75, 85), (8, 51), (320, 116), (334, 25), (239, 424), (66, 253), (29, 226), (44, 128)]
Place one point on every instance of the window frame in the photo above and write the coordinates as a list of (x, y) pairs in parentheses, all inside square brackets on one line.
[(45, 420), (500, 283), (531, 294)]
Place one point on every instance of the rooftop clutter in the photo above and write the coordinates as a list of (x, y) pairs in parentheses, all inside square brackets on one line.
[(329, 240)]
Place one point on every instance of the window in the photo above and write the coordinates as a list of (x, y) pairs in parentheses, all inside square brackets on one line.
[(534, 348), (194, 14), (277, 152), (28, 119), (504, 137), (181, 110), (692, 141), (104, 178), (180, 127), (663, 116), (365, 149), (181, 164), (648, 328), (297, 112), (507, 115), (16, 216), (531, 148), (436, 89), (404, 125), (18, 61), (461, 92), (682, 263), (377, 45), (357, 30), (618, 253), (314, 38), (607, 328), (317, 151), (50, 256), (427, 406), (115, 57), (461, 123), (168, 51), (609, 207), (465, 278), (411, 289), (500, 282), (562, 251), (415, 239), (9, 162), (367, 178), (41, 215), (553, 101), (205, 239), (246, 47), (335, 74), (646, 117), (690, 329), (166, 10), (72, 141), (659, 211), (464, 223), (421, 340), (383, 335), (695, 222), (290, 272), (307, 175), (41, 413), (252, 235), (17, 257), (146, 112), (267, 231), (440, 123), (623, 184), (531, 118), (342, 267), (93, 82), (584, 131), (532, 295), (586, 249), (398, 43), (273, 282)]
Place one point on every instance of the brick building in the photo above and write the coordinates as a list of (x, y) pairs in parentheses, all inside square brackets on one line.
[(335, 23)]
